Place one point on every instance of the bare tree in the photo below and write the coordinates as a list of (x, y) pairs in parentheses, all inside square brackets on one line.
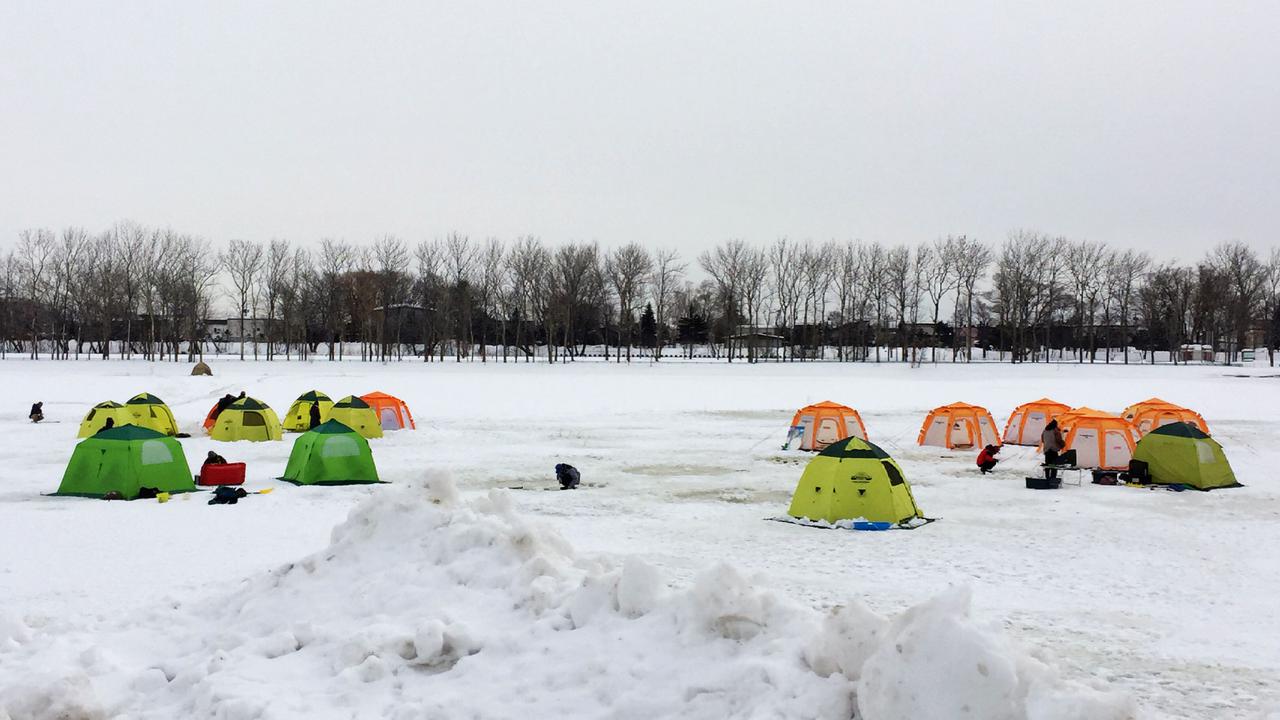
[(941, 275), (628, 269), (35, 260), (336, 259), (390, 258), (274, 280), (667, 274), (1245, 277), (459, 266), (491, 259), (242, 261)]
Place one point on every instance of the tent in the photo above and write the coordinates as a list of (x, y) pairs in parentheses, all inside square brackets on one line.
[(1100, 439), (825, 423), (1180, 454), (1151, 414), (331, 454), (150, 411), (853, 479), (122, 460), (392, 412), (1027, 421), (1137, 407), (96, 419), (357, 415), (298, 419), (958, 425), (247, 419)]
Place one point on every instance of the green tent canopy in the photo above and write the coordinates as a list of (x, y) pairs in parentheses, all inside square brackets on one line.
[(853, 479), (1181, 454), (331, 454), (122, 460)]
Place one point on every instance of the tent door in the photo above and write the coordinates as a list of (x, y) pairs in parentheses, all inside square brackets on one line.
[(828, 432), (1016, 433), (390, 420)]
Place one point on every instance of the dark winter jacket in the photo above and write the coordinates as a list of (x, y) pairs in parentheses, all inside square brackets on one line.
[(315, 415), (1052, 439), (223, 403)]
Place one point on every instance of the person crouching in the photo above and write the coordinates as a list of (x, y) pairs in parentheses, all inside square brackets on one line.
[(987, 458)]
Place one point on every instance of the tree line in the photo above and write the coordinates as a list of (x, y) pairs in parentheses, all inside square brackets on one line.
[(133, 291)]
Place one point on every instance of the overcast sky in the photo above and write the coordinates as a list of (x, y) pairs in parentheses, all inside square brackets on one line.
[(1148, 124)]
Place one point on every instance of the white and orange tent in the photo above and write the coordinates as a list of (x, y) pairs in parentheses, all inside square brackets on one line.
[(823, 423), (1027, 421), (392, 412), (1154, 412), (1101, 439), (959, 425)]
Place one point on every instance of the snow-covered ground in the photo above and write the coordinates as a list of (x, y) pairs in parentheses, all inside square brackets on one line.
[(660, 589)]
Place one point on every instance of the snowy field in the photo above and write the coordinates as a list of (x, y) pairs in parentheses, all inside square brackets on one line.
[(659, 590)]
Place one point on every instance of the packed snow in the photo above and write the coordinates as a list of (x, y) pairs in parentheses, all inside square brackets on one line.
[(468, 587)]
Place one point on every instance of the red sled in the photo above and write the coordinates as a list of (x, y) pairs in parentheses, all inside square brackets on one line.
[(229, 474)]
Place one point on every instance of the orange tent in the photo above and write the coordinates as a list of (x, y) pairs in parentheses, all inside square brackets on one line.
[(1028, 420), (959, 425), (1100, 439), (1153, 413), (825, 423), (1137, 407), (392, 412)]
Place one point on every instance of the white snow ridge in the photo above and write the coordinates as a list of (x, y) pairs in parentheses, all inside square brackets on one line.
[(428, 606)]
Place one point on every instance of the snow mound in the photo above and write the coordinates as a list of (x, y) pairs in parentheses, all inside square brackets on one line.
[(428, 606)]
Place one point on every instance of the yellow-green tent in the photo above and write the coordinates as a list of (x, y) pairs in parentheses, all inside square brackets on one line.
[(150, 412), (298, 419), (357, 415), (246, 419), (1181, 454), (853, 479), (95, 420)]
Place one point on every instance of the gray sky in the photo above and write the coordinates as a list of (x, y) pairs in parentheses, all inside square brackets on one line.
[(1147, 124)]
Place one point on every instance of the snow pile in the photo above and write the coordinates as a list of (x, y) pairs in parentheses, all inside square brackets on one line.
[(426, 606)]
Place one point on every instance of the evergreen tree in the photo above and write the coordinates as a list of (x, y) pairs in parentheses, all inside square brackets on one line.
[(648, 326)]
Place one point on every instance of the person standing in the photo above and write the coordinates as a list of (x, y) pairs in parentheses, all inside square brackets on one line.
[(315, 415), (1053, 443)]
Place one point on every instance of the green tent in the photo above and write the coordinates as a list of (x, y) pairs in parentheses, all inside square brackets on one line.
[(331, 454), (122, 460), (1180, 454), (853, 479)]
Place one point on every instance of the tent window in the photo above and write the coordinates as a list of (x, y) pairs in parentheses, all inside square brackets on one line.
[(253, 419), (895, 477), (340, 446), (156, 452), (390, 421), (1204, 453), (852, 427)]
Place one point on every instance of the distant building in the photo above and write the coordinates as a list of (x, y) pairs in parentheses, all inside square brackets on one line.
[(230, 329)]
